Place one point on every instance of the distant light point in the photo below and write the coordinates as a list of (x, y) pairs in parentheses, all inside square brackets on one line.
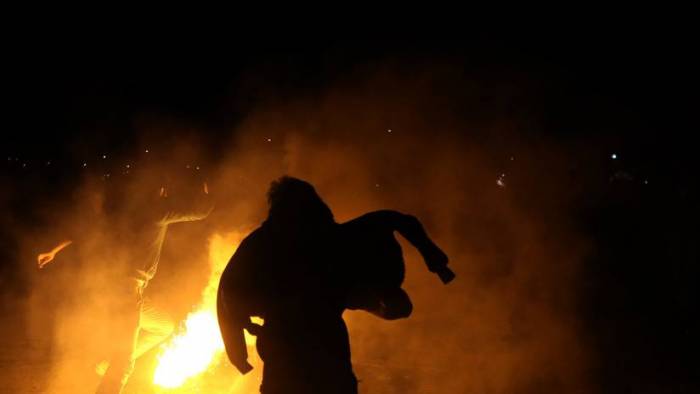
[(84, 164), (613, 156), (388, 131), (269, 140), (500, 181), (104, 156)]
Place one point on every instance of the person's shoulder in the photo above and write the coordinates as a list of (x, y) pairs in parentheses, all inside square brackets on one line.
[(255, 239), (381, 215)]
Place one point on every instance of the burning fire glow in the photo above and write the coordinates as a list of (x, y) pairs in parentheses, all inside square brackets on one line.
[(190, 353), (199, 346)]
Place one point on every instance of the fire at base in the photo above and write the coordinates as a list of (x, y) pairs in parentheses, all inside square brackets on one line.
[(198, 346)]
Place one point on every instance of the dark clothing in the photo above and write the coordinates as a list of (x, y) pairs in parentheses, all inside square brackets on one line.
[(311, 355), (299, 278), (282, 275), (371, 268)]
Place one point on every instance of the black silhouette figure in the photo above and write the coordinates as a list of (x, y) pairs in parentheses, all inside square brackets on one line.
[(299, 271)]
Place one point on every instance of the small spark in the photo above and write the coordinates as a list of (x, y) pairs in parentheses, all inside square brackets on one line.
[(104, 156), (389, 131), (613, 156), (500, 181), (84, 164), (146, 150), (269, 140)]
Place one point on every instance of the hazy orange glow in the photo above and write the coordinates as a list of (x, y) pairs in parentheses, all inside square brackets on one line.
[(198, 347)]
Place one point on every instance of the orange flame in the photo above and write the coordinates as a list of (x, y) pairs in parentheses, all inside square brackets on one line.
[(199, 347)]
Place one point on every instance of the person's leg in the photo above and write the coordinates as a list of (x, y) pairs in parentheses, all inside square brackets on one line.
[(156, 325), (121, 361)]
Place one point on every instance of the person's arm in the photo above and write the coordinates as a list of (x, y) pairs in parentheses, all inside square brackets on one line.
[(411, 228), (231, 325), (45, 258), (233, 301), (194, 214), (178, 217)]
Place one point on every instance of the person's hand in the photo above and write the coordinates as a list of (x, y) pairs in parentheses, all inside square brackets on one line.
[(45, 258), (446, 275), (243, 366)]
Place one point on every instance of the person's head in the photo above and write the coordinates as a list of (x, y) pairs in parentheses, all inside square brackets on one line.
[(291, 199)]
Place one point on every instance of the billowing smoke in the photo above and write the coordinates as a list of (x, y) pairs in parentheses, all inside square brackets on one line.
[(464, 157)]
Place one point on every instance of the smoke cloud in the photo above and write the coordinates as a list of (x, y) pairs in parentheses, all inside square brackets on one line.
[(465, 157)]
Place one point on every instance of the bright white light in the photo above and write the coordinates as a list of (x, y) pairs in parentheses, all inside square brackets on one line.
[(613, 156)]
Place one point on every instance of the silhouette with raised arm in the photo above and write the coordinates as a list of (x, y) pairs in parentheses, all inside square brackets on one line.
[(138, 326), (298, 271)]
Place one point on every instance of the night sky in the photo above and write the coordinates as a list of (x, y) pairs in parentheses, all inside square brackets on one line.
[(627, 93)]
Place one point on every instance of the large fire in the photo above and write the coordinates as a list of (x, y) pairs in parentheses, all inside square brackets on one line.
[(198, 347)]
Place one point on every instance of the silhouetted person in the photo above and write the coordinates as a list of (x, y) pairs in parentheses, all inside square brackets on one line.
[(131, 244), (280, 273), (299, 271)]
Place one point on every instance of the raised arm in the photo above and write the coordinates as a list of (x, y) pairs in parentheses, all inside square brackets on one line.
[(179, 217), (411, 228), (45, 258), (200, 211)]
